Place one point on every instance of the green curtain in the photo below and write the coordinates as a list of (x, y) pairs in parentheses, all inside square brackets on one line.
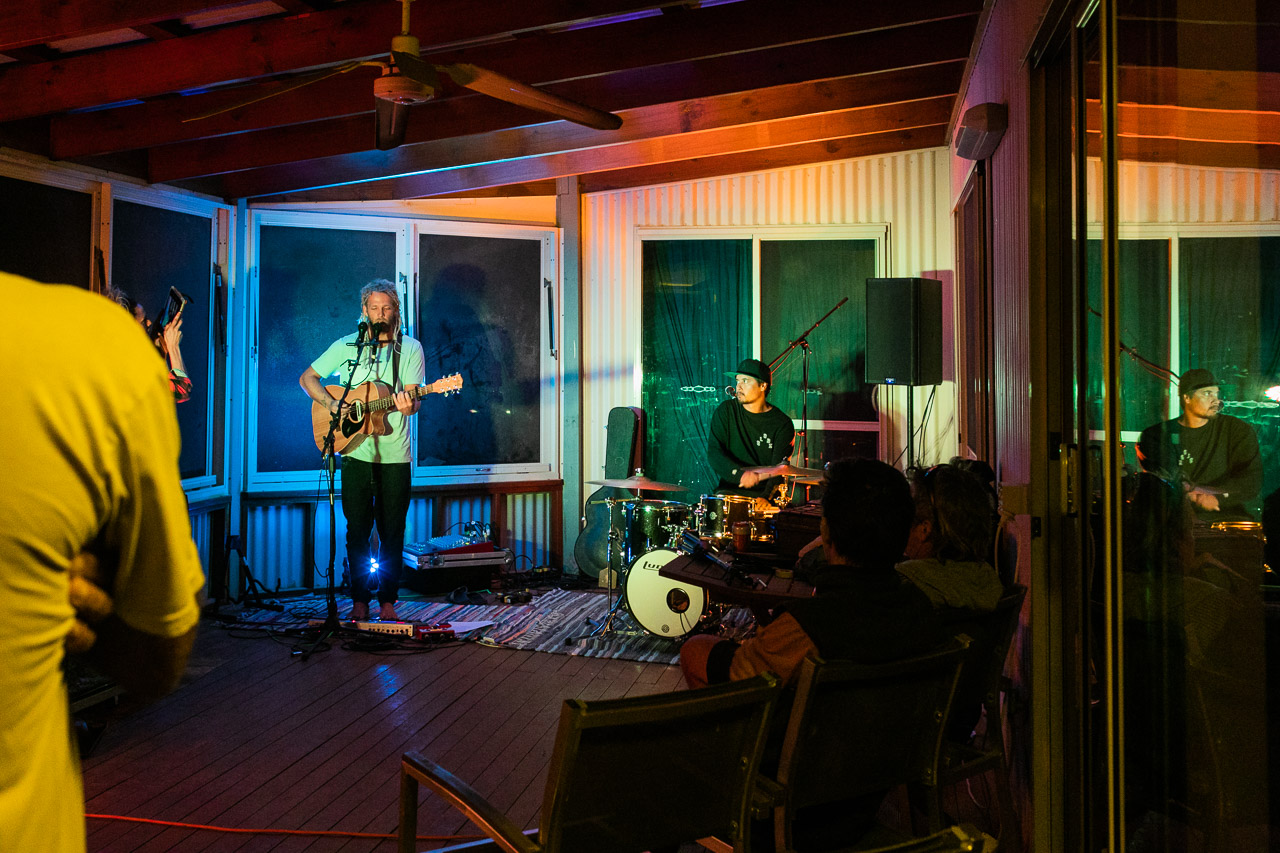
[(1229, 302), (1144, 328), (696, 326)]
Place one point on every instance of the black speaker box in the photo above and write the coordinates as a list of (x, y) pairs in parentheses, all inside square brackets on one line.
[(904, 331)]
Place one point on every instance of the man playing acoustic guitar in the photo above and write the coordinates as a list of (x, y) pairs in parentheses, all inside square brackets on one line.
[(375, 468)]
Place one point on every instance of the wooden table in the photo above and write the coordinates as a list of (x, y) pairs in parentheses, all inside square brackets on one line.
[(765, 592)]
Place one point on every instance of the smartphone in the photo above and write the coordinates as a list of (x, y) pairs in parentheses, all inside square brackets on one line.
[(173, 307)]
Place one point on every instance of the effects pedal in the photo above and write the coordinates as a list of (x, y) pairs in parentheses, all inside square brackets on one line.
[(433, 632)]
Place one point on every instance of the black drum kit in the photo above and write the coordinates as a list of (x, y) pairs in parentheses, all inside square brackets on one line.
[(645, 534)]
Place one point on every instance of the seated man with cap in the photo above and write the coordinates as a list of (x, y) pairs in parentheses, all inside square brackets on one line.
[(1216, 456), (747, 432)]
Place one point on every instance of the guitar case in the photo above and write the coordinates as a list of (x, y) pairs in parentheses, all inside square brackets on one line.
[(623, 453)]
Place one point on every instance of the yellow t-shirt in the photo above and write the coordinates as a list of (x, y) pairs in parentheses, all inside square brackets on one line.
[(91, 456)]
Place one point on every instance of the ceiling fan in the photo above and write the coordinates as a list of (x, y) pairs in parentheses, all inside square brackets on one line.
[(407, 81)]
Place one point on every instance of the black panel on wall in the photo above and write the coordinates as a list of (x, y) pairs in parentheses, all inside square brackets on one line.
[(309, 284), (153, 249), (46, 233), (479, 314)]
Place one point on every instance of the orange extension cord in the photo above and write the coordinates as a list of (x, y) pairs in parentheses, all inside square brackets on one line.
[(249, 831)]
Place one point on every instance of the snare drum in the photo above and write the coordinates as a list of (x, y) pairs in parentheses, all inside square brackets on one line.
[(662, 606), (717, 513), (646, 525)]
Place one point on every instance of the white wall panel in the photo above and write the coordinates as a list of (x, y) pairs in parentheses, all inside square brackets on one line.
[(908, 192), (1169, 194)]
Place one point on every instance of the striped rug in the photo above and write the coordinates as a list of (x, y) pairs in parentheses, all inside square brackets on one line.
[(551, 623)]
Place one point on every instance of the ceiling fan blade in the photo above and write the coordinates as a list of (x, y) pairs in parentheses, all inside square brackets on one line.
[(504, 88), (298, 83), (414, 68), (391, 121)]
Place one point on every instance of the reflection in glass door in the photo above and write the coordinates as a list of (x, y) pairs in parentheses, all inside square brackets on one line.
[(1176, 144)]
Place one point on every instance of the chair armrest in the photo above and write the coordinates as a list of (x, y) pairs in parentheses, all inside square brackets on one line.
[(766, 796), (465, 799)]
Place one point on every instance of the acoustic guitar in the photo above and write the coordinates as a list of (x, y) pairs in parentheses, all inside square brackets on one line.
[(367, 413)]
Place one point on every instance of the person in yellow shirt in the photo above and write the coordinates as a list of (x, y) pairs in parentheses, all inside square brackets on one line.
[(93, 524)]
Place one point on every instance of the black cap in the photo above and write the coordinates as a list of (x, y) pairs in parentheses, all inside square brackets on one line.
[(755, 368), (1193, 380)]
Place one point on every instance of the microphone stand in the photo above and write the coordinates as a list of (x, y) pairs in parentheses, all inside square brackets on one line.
[(803, 343), (331, 624)]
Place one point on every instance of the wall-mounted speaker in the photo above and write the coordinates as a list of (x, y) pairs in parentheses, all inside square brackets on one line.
[(904, 331)]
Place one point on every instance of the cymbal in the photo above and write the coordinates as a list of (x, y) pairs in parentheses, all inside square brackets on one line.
[(640, 482), (809, 481), (787, 470)]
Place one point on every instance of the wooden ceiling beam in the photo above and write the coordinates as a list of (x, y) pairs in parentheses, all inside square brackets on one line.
[(662, 149), (1140, 121), (649, 122), (782, 157), (27, 22), (943, 60), (564, 57), (261, 48), (1181, 152)]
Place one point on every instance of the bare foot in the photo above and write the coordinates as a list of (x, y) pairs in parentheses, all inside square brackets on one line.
[(359, 611), (387, 613)]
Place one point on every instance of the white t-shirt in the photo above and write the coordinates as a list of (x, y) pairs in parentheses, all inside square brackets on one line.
[(336, 363), (92, 459)]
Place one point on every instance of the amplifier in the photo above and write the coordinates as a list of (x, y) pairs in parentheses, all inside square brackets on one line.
[(794, 528)]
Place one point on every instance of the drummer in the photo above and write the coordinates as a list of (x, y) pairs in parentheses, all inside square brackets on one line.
[(747, 432)]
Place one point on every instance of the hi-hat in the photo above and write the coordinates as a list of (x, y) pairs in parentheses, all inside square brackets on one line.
[(640, 482)]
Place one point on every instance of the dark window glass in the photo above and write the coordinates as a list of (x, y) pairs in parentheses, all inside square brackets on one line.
[(309, 284), (153, 249), (46, 233), (480, 310)]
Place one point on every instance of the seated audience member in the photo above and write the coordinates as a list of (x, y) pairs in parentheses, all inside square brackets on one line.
[(95, 546), (950, 543), (862, 610)]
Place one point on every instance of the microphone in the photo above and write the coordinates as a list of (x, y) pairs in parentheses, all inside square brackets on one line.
[(361, 331), (378, 329), (731, 390)]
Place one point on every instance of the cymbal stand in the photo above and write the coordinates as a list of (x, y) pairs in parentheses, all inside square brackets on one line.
[(605, 627)]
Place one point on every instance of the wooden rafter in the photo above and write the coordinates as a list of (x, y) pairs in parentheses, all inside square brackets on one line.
[(659, 149)]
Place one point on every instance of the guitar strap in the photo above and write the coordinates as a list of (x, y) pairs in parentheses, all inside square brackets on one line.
[(395, 362)]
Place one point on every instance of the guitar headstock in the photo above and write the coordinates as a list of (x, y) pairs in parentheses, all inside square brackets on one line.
[(447, 385)]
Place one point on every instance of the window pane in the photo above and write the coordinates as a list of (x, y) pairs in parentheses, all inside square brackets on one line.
[(800, 281), (45, 232), (480, 314), (696, 327), (308, 296), (153, 249)]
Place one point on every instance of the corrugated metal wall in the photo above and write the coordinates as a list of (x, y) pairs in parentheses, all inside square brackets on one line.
[(276, 542), (278, 537), (908, 192)]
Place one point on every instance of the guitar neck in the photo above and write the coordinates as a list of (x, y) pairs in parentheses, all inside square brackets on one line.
[(389, 401)]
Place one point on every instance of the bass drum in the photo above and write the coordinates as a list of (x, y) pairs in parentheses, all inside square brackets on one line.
[(663, 607)]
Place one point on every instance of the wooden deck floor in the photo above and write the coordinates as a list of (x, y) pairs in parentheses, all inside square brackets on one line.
[(262, 739)]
